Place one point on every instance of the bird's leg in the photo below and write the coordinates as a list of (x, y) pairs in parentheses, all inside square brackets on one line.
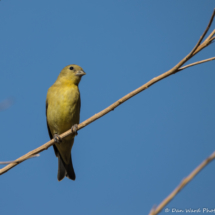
[(57, 138), (74, 129)]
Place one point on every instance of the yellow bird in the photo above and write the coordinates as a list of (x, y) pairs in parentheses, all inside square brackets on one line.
[(62, 113)]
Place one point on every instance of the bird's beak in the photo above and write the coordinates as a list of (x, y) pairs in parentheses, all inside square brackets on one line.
[(80, 73)]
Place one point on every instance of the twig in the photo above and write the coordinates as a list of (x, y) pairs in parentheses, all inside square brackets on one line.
[(198, 47), (8, 162), (196, 63), (211, 34), (185, 181), (205, 32)]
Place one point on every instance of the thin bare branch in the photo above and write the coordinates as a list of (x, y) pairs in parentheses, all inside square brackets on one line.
[(185, 181), (172, 71), (196, 63), (205, 32), (211, 35), (8, 162), (206, 43)]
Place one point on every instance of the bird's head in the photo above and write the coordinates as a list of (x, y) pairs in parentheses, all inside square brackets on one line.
[(71, 74)]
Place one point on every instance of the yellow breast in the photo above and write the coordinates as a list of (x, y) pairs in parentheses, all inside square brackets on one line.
[(63, 107)]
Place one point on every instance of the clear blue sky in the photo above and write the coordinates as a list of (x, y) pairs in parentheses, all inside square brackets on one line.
[(132, 158)]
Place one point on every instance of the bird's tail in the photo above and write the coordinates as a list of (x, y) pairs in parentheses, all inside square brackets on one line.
[(65, 170)]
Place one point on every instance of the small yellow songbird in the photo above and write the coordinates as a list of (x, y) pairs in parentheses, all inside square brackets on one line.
[(63, 112)]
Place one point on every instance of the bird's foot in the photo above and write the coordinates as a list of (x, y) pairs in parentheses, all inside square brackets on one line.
[(75, 129), (57, 138)]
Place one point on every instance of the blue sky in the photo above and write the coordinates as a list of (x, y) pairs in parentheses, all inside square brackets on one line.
[(132, 158)]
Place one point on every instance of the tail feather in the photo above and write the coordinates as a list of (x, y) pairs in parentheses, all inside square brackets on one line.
[(70, 173), (64, 169), (61, 169)]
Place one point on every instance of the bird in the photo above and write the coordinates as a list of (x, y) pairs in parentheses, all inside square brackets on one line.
[(63, 105)]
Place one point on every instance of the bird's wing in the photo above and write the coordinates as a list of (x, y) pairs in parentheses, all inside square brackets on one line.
[(50, 134)]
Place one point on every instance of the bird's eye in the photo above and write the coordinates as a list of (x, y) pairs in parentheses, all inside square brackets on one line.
[(71, 68)]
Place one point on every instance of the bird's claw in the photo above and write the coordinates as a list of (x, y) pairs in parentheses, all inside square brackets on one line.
[(75, 129), (57, 138)]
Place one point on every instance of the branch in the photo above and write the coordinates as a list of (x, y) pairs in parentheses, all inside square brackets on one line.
[(196, 63), (8, 162), (198, 47), (184, 182)]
